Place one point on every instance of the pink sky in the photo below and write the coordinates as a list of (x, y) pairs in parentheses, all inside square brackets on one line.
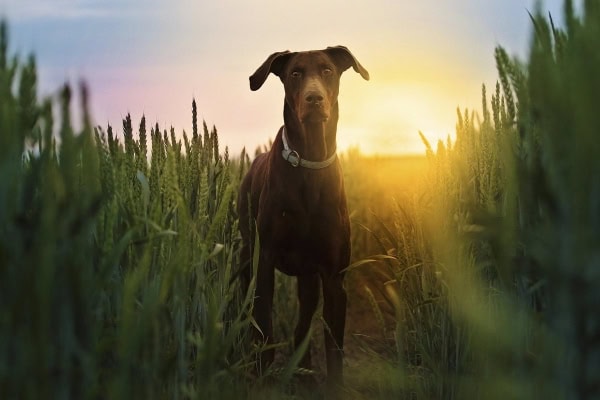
[(152, 57)]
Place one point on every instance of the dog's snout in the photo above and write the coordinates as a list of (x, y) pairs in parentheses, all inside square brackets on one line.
[(315, 105), (313, 97)]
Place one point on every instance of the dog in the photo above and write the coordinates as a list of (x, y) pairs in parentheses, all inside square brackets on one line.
[(293, 197)]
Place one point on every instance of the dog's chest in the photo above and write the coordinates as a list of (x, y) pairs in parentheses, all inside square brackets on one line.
[(313, 196), (305, 210), (307, 198)]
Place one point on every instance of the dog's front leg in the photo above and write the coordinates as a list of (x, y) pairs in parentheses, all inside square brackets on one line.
[(263, 306), (334, 314), (308, 300)]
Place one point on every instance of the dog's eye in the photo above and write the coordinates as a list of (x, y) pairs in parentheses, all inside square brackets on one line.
[(296, 74), (327, 71)]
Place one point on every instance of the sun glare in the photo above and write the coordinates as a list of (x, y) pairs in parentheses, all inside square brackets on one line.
[(388, 116)]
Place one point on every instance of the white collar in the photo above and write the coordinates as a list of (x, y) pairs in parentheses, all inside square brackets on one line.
[(294, 158)]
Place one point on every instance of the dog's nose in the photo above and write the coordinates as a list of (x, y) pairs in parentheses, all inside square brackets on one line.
[(313, 98)]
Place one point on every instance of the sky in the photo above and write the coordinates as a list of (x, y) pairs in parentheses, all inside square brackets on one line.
[(152, 57)]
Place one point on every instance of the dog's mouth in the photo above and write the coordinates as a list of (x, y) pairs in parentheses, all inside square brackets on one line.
[(314, 115)]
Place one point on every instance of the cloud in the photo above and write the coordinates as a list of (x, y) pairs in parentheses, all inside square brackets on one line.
[(27, 10), (70, 10)]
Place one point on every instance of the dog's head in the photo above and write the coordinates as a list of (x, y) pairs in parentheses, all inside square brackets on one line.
[(311, 79)]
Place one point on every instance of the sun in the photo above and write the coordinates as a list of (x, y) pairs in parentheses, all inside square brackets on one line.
[(386, 117)]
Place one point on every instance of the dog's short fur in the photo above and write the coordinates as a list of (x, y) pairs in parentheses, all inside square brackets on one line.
[(300, 213)]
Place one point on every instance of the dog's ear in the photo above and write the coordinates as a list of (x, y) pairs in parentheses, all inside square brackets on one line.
[(344, 60), (274, 63)]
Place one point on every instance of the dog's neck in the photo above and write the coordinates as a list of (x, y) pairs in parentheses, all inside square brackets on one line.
[(315, 141)]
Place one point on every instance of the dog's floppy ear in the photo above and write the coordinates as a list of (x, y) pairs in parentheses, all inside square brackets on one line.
[(344, 60), (274, 63)]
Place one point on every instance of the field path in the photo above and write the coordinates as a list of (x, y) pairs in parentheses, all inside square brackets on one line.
[(368, 341)]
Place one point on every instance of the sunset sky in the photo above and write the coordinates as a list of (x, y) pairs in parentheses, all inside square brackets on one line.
[(425, 58)]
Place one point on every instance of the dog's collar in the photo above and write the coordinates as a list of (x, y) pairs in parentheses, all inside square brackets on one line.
[(295, 160)]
